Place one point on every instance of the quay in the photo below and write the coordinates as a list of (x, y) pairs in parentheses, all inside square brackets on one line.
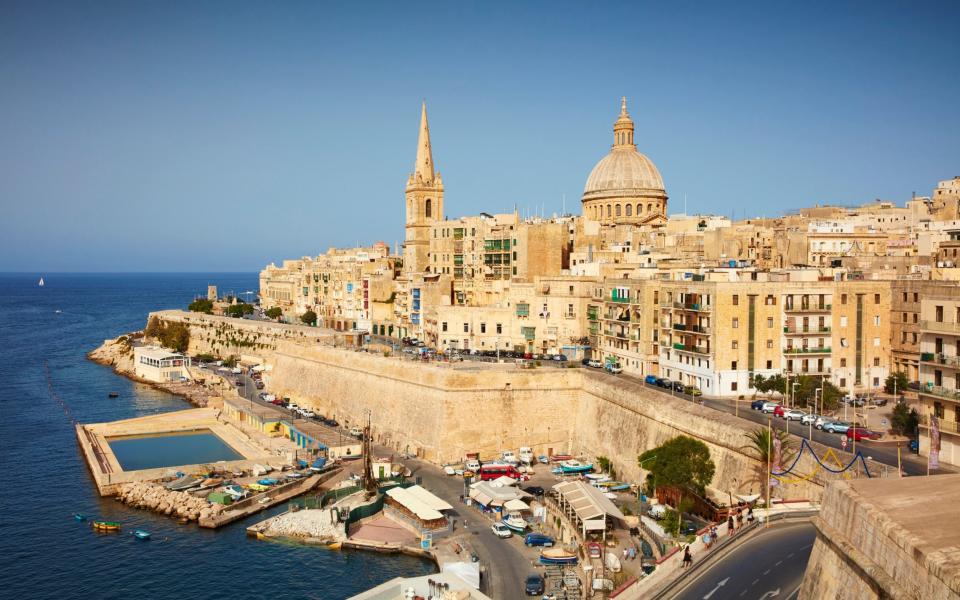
[(253, 505)]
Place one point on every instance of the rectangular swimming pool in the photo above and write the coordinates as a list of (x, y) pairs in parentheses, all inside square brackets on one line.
[(171, 450)]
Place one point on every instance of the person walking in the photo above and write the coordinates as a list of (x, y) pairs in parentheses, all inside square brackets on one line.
[(730, 529), (739, 519), (750, 515), (687, 558)]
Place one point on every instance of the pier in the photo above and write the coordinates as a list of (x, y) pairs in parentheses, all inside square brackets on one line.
[(256, 504)]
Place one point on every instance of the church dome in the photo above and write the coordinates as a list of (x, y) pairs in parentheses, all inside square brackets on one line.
[(623, 172)]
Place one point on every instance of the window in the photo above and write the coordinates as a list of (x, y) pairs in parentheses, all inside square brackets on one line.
[(736, 323), (733, 365), (843, 382), (876, 361), (843, 298), (609, 211), (843, 362), (733, 386), (736, 299), (843, 321), (916, 297), (939, 314), (428, 208), (769, 343), (734, 345), (876, 342), (769, 322), (571, 290), (483, 327), (843, 342), (466, 328), (769, 364), (904, 296), (443, 326), (618, 210), (876, 382), (876, 319), (499, 328), (915, 317)]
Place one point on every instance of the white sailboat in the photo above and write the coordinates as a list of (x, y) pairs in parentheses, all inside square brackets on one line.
[(41, 282)]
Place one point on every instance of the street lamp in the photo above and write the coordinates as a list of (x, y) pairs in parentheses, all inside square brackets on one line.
[(816, 392)]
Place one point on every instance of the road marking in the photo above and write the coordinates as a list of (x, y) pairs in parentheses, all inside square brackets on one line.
[(766, 572), (777, 564), (790, 555), (794, 593), (755, 582), (743, 593), (770, 594), (719, 585)]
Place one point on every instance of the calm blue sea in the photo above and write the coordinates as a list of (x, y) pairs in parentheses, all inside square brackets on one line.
[(46, 384)]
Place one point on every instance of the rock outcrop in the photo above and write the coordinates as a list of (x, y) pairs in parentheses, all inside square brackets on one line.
[(155, 497)]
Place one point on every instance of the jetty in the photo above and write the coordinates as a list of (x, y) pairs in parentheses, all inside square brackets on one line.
[(255, 504)]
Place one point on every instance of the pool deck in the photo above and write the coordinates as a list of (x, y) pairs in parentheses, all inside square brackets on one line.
[(109, 474)]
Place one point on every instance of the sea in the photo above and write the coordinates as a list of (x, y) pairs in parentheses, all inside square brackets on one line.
[(46, 385)]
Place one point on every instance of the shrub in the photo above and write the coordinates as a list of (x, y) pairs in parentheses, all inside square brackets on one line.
[(274, 313), (201, 305), (309, 317)]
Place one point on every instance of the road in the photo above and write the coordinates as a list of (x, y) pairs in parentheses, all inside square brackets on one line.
[(769, 565), (911, 463)]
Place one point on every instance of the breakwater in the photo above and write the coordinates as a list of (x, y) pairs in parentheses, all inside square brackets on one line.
[(155, 497)]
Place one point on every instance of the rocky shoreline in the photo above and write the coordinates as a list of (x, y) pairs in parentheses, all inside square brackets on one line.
[(155, 497), (118, 355)]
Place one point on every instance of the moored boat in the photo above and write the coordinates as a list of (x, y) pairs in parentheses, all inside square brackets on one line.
[(267, 481), (183, 483), (141, 534), (113, 395), (80, 517), (558, 556), (560, 457), (106, 526), (515, 522), (598, 477), (573, 466)]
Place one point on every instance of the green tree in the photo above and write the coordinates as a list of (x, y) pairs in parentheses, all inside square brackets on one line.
[(154, 328), (201, 305), (238, 310), (896, 383), (274, 313), (176, 336), (904, 420), (309, 317), (805, 391), (681, 462), (761, 447)]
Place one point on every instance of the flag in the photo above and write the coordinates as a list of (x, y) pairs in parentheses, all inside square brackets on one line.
[(933, 460)]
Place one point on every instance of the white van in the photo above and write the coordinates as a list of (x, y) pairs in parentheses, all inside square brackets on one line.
[(509, 457), (526, 455)]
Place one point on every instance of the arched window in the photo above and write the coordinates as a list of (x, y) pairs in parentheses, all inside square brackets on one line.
[(427, 208), (649, 207), (629, 210), (639, 209), (609, 213), (618, 210)]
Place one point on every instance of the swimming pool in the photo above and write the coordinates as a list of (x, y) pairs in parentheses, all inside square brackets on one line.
[(171, 450)]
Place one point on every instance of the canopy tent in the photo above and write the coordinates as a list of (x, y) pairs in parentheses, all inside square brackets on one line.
[(488, 494), (516, 504), (588, 504), (428, 498), (503, 480), (416, 506)]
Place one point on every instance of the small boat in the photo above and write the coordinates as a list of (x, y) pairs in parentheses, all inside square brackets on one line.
[(598, 477), (141, 534), (106, 526), (267, 481), (560, 457), (612, 562), (80, 517), (573, 466), (40, 282), (184, 483), (544, 459), (257, 487), (210, 482), (335, 545), (515, 522), (264, 500), (259, 469), (619, 486), (558, 556), (113, 395), (58, 312)]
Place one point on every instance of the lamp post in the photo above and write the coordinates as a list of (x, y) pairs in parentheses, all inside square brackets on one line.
[(815, 393)]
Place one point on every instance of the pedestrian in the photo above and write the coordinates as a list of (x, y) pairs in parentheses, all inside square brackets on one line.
[(739, 519), (750, 515), (730, 529), (626, 554), (687, 558)]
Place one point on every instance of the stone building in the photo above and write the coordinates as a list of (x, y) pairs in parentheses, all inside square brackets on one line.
[(939, 390)]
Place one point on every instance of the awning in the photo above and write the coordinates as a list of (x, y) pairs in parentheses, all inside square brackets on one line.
[(504, 480), (480, 497), (413, 504), (587, 501), (428, 498), (516, 505)]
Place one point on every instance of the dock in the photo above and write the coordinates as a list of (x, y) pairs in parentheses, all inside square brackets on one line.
[(277, 495)]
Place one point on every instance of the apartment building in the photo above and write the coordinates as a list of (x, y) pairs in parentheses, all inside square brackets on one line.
[(940, 373)]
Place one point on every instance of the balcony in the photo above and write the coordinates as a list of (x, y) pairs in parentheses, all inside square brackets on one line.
[(808, 308), (620, 300), (691, 348), (805, 330), (952, 362), (807, 351), (945, 425), (940, 392), (813, 372), (592, 315), (940, 327), (692, 306)]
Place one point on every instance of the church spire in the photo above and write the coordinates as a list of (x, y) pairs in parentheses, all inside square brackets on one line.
[(623, 128), (423, 169)]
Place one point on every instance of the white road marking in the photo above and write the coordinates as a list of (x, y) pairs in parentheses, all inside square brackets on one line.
[(766, 572), (777, 564)]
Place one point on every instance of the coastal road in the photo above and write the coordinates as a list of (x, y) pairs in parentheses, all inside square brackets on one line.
[(886, 454), (770, 564)]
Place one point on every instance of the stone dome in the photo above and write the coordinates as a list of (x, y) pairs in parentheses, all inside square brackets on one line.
[(623, 173)]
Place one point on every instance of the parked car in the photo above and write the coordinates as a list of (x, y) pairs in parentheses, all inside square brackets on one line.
[(914, 445), (559, 357), (688, 528), (533, 586), (596, 364), (614, 368), (650, 380), (809, 419), (356, 432), (769, 407), (677, 386), (821, 421), (692, 390), (880, 401), (836, 427), (779, 411), (757, 404), (538, 539), (794, 414), (594, 550), (585, 362), (663, 382), (473, 465), (501, 531), (293, 406), (536, 490), (859, 434), (508, 457), (308, 414)]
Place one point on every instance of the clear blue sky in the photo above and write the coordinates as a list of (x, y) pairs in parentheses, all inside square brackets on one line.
[(159, 136)]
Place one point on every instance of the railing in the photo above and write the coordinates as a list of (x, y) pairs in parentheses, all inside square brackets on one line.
[(941, 359), (808, 307), (691, 348), (824, 350), (620, 300), (806, 330), (940, 392), (693, 306), (940, 326), (945, 425)]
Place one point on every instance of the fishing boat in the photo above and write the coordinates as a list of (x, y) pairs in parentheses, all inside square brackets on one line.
[(184, 483), (141, 534), (515, 522), (598, 477), (544, 459), (257, 487), (267, 481), (573, 466), (113, 395), (618, 486), (106, 526), (558, 556), (80, 517), (210, 482), (560, 457), (259, 469), (40, 282)]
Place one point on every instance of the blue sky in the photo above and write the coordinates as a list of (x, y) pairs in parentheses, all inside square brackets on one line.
[(163, 136)]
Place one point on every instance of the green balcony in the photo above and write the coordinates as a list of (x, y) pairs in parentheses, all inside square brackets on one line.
[(824, 350)]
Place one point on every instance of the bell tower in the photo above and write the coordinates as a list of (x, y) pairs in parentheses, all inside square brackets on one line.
[(424, 196)]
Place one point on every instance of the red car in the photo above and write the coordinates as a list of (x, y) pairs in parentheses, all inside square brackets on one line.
[(594, 550), (778, 411), (862, 434)]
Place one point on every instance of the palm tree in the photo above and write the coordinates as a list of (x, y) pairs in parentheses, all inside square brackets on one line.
[(761, 447)]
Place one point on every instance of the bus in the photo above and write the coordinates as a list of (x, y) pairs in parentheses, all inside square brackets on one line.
[(488, 472)]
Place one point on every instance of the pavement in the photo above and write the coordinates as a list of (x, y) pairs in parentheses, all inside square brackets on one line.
[(770, 564)]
